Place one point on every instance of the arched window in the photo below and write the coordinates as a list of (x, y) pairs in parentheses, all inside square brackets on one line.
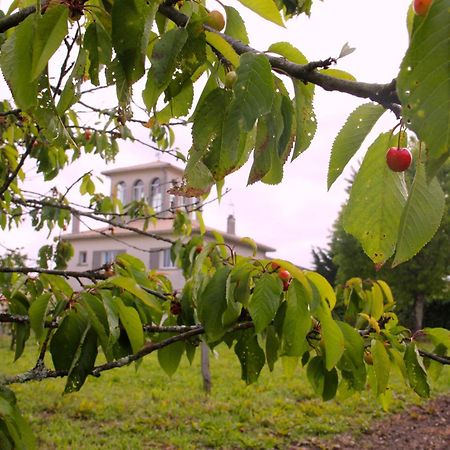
[(138, 190), (173, 199), (120, 191), (156, 195)]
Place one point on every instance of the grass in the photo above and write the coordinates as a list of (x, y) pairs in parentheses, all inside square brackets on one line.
[(125, 409)]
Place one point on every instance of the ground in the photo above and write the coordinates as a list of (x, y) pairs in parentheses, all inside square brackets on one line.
[(424, 427)]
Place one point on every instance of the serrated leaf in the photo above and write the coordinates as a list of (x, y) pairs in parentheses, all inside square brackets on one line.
[(131, 321), (131, 286), (377, 198), (421, 216), (212, 304), (438, 336), (350, 137), (381, 364), (179, 105), (251, 356), (235, 27), (163, 59), (272, 347), (324, 287), (415, 371), (266, 9), (131, 25), (265, 300), (37, 314), (169, 357), (222, 46), (337, 73), (16, 63), (297, 321), (98, 43), (50, 30), (83, 362), (423, 84), (323, 381), (253, 90), (305, 119)]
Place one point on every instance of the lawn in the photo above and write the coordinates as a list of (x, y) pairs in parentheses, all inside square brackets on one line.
[(144, 409)]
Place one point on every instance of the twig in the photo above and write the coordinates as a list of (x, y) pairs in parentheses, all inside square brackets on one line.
[(65, 273)]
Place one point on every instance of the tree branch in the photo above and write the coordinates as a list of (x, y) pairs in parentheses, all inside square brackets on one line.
[(384, 94), (93, 275), (13, 20), (13, 174)]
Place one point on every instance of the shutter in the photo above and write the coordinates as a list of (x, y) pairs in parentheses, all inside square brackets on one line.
[(96, 259), (154, 259)]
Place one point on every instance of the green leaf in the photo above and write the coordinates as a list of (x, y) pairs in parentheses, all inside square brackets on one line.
[(223, 47), (169, 357), (37, 314), (265, 300), (337, 73), (332, 337), (423, 84), (212, 304), (297, 321), (323, 381), (131, 25), (50, 30), (131, 286), (235, 27), (324, 287), (305, 120), (416, 373), (98, 319), (251, 356), (266, 9), (98, 43), (352, 364), (164, 60), (179, 105), (351, 136), (253, 90), (130, 320), (84, 361), (272, 347), (438, 336), (16, 64), (381, 364), (377, 198), (421, 217)]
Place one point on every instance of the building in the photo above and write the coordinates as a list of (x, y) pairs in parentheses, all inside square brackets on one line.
[(95, 247)]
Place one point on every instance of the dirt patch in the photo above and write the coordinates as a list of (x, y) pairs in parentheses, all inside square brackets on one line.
[(424, 427)]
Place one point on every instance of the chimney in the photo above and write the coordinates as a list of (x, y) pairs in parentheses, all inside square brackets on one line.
[(231, 224), (75, 224)]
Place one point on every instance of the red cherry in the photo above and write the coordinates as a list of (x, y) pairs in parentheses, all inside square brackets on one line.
[(198, 249), (274, 266), (398, 159), (286, 285), (284, 275), (87, 134), (175, 308), (421, 7)]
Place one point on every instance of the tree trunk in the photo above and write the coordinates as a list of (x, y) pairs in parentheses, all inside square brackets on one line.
[(419, 304), (206, 373)]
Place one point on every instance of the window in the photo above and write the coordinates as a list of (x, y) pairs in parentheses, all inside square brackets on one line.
[(82, 258), (120, 192), (107, 257), (156, 195), (167, 260), (138, 190)]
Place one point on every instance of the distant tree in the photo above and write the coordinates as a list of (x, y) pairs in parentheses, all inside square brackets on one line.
[(421, 280), (13, 258)]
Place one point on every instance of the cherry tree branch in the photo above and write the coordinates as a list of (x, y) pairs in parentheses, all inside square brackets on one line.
[(384, 94), (91, 274)]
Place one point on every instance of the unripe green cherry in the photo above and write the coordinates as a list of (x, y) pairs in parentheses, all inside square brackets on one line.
[(230, 79)]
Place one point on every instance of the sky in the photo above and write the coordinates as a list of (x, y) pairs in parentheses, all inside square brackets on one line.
[(297, 214)]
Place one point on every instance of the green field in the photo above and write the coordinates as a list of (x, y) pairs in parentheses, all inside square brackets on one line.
[(125, 409)]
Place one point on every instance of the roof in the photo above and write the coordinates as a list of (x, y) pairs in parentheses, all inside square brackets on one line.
[(162, 227), (147, 166)]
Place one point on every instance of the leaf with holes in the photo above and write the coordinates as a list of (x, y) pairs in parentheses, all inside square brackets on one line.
[(351, 136), (423, 84), (377, 199), (421, 217)]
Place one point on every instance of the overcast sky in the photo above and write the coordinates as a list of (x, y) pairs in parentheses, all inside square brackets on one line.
[(298, 214)]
